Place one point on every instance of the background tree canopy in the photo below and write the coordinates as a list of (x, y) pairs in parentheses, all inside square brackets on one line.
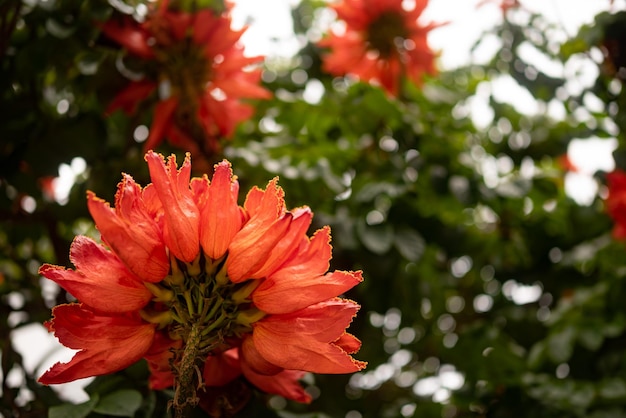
[(489, 291)]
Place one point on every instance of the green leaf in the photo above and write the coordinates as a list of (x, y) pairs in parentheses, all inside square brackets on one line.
[(149, 405), (561, 344), (591, 338), (372, 190), (582, 396), (608, 413), (536, 354), (376, 238), (69, 410), (612, 389), (513, 188), (105, 384), (614, 328), (409, 243), (123, 403)]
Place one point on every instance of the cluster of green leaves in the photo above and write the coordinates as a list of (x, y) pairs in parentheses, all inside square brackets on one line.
[(449, 222)]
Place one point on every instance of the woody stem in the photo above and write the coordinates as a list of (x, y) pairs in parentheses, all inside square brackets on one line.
[(186, 377)]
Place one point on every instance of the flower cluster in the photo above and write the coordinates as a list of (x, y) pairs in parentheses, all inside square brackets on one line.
[(188, 279), (200, 75), (382, 43)]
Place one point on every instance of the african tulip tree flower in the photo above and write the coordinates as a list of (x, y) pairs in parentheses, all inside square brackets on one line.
[(382, 43), (616, 201), (187, 277), (198, 77)]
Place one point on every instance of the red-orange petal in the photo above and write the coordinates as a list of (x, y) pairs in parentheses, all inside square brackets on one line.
[(221, 369), (131, 232), (616, 201), (178, 22), (284, 383), (129, 98), (100, 280), (289, 242), (249, 251), (252, 245), (221, 216), (220, 117), (159, 358), (127, 33), (255, 360), (204, 26), (292, 293), (236, 83), (348, 343), (253, 201), (151, 201), (162, 120), (200, 191), (304, 340), (268, 204), (306, 354), (218, 37), (182, 217), (325, 321), (107, 343), (311, 260)]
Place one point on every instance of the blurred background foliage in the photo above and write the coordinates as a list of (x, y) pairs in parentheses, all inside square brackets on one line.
[(489, 290)]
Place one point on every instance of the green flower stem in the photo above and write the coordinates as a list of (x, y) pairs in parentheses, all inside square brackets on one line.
[(242, 295), (214, 324), (189, 303), (215, 305), (222, 276), (200, 304)]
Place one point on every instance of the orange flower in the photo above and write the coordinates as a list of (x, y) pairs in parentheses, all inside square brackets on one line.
[(199, 76), (382, 43), (244, 287), (564, 162), (616, 201)]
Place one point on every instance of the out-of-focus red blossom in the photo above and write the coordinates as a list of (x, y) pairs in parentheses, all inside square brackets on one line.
[(566, 164), (200, 76), (616, 201), (382, 43), (46, 184), (504, 5), (258, 286)]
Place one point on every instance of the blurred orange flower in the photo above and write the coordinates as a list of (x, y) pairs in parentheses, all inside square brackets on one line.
[(185, 265), (382, 43), (200, 78), (564, 162), (616, 201)]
